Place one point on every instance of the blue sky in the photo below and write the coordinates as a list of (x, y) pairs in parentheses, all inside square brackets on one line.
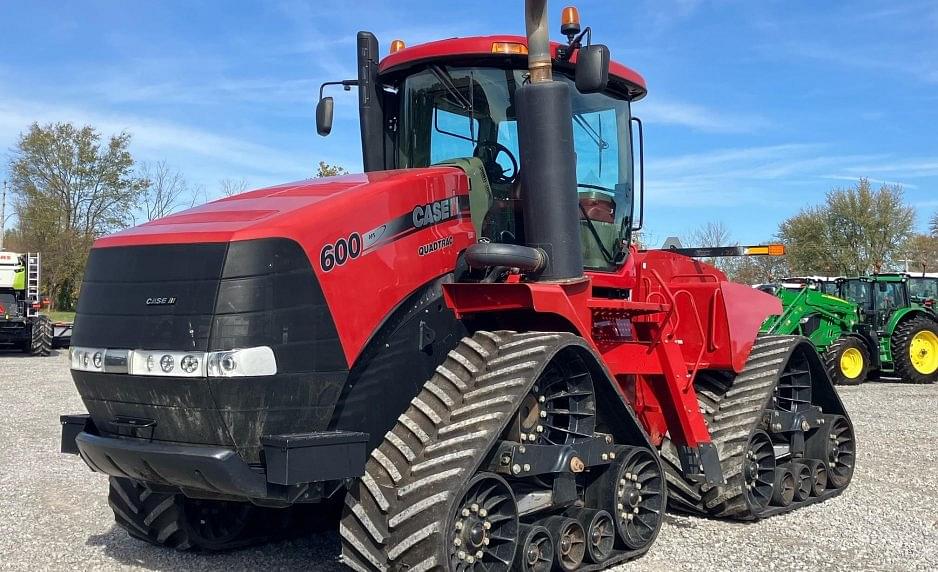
[(755, 109)]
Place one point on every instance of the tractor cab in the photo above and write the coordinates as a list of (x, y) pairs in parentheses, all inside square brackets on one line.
[(879, 297), (924, 289), (452, 102)]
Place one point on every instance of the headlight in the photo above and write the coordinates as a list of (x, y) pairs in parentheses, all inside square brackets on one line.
[(88, 359), (162, 363), (248, 362)]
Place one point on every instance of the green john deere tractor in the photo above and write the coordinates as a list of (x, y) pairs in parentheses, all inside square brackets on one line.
[(21, 324), (906, 327), (833, 325), (924, 289), (875, 325)]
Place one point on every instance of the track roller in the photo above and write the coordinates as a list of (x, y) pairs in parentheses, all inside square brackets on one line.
[(804, 482), (569, 538), (535, 549), (783, 492), (818, 471), (600, 533)]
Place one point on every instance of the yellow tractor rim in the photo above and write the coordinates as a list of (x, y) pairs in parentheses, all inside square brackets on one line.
[(924, 352), (851, 363)]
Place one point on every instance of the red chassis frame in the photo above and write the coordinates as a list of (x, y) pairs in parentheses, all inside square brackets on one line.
[(681, 316)]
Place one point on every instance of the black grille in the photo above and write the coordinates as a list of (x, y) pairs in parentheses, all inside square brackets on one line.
[(246, 294)]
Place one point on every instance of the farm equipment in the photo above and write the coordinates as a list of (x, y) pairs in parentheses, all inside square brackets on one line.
[(903, 332), (21, 324), (476, 364), (923, 289), (832, 324)]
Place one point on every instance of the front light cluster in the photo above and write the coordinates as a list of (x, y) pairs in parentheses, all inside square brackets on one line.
[(248, 362)]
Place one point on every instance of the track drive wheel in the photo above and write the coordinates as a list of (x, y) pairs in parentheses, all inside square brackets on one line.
[(174, 521), (915, 350), (847, 361), (40, 343)]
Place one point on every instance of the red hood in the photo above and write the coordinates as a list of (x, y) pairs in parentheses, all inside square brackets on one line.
[(269, 212)]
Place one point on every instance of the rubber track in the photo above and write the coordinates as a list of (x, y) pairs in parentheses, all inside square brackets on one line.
[(396, 514), (732, 407)]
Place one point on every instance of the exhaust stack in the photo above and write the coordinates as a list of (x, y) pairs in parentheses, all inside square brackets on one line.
[(548, 161)]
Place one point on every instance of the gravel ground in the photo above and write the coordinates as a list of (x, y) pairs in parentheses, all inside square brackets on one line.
[(54, 513)]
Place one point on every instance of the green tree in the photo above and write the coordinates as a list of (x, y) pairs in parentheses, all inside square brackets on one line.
[(921, 252), (327, 170), (856, 231), (70, 189)]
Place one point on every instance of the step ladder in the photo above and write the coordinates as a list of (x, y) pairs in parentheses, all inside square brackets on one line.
[(32, 284)]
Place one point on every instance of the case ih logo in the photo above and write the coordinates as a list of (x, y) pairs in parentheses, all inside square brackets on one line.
[(161, 301)]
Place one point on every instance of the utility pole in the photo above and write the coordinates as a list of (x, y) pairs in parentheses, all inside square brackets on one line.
[(3, 213)]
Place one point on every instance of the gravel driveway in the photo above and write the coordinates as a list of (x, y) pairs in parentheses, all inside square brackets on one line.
[(54, 513)]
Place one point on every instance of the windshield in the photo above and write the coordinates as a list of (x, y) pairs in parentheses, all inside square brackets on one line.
[(923, 288), (459, 112), (858, 292)]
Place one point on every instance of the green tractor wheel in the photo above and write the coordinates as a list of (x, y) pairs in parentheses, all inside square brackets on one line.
[(915, 350), (848, 361)]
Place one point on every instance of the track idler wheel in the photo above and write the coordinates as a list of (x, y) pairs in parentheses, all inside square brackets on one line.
[(818, 471), (835, 445), (804, 482), (569, 538), (759, 471), (535, 549), (785, 487), (485, 526)]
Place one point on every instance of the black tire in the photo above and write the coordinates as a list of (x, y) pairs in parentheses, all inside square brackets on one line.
[(839, 353), (903, 339), (40, 336), (174, 521)]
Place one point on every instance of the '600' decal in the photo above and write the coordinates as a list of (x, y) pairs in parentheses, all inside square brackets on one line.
[(342, 251)]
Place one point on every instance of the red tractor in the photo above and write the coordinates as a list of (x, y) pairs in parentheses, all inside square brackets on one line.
[(460, 347)]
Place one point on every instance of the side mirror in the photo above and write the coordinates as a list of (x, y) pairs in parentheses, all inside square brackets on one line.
[(592, 68), (324, 112)]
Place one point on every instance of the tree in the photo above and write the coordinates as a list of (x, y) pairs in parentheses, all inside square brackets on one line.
[(933, 224), (856, 231), (327, 170), (760, 269), (231, 187), (165, 190), (711, 235), (921, 252), (70, 189)]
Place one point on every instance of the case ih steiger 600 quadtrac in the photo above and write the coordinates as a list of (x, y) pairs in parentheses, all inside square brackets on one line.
[(460, 345)]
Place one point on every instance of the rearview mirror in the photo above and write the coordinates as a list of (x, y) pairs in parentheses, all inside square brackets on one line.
[(324, 112), (592, 68)]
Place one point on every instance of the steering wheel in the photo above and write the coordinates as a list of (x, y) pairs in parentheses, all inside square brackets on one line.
[(489, 151)]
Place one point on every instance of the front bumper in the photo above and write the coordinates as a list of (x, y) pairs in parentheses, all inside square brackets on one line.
[(299, 466)]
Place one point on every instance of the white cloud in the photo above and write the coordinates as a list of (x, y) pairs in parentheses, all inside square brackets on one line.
[(698, 117)]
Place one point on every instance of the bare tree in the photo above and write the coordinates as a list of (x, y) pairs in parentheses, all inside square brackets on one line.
[(933, 224), (711, 235), (166, 190), (230, 187)]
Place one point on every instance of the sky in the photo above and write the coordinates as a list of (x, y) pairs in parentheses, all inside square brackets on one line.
[(754, 109)]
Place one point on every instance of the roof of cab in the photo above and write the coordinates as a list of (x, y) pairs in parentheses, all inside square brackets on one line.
[(482, 46)]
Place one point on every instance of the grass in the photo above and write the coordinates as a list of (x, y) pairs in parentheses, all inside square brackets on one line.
[(61, 316)]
